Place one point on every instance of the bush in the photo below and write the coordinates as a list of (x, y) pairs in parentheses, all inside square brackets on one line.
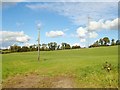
[(76, 47)]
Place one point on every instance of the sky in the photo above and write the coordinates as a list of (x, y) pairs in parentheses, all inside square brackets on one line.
[(76, 23)]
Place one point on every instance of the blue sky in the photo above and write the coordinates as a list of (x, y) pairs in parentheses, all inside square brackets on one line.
[(60, 22)]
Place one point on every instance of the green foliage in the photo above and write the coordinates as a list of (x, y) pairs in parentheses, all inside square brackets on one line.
[(106, 40), (101, 41), (118, 42), (67, 46), (52, 45), (113, 42), (76, 47)]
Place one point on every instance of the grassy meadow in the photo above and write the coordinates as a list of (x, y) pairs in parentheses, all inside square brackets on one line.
[(79, 68)]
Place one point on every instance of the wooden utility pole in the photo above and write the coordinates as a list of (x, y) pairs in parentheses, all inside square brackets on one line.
[(88, 31), (38, 42)]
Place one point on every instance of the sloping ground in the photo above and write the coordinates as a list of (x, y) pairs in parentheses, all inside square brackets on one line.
[(80, 68), (36, 81)]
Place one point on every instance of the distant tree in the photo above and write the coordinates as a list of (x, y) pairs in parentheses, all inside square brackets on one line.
[(30, 47), (18, 48), (63, 45), (49, 45), (97, 43), (44, 46), (55, 44), (67, 46), (113, 42), (58, 47), (106, 40), (25, 49), (118, 42), (52, 45), (34, 47), (76, 47), (14, 48), (42, 49), (101, 41)]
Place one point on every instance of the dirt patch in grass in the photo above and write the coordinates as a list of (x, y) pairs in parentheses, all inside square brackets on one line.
[(36, 81)]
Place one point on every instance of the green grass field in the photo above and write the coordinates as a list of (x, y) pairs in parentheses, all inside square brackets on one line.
[(82, 67)]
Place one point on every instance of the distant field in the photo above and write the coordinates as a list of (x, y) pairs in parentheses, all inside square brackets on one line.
[(80, 68)]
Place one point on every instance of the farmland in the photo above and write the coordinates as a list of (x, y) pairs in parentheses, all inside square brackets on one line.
[(78, 68)]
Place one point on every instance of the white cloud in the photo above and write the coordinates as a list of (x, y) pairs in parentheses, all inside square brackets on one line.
[(10, 38), (54, 34), (101, 24), (94, 27), (79, 15), (73, 35), (83, 40), (27, 44), (93, 35), (81, 32)]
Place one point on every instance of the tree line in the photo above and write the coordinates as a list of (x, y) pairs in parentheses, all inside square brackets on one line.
[(43, 47), (54, 46), (105, 42)]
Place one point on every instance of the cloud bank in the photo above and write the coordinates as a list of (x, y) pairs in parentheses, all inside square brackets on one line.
[(101, 24), (10, 38), (53, 34), (77, 12), (91, 30)]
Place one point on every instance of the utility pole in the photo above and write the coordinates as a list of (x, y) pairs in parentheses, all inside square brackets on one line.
[(88, 32), (38, 26)]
